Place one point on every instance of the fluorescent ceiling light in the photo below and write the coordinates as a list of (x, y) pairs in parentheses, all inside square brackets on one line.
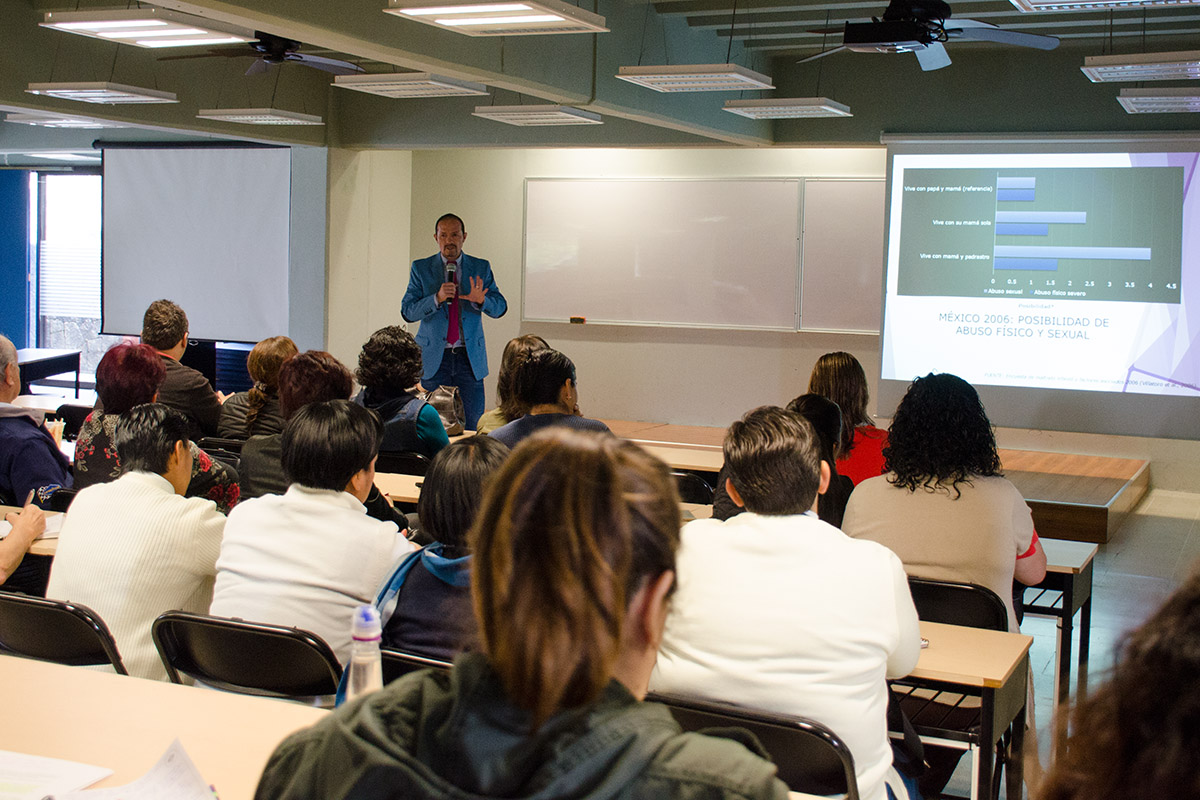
[(259, 116), (101, 92), (146, 27), (538, 115), (526, 18), (410, 84), (60, 121), (696, 78), (65, 156), (1143, 67), (788, 108), (1092, 5), (1160, 101)]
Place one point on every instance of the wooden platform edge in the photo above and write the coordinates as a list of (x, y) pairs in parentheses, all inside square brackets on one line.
[(1124, 501)]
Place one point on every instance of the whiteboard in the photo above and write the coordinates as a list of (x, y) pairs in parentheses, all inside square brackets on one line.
[(689, 253), (842, 254)]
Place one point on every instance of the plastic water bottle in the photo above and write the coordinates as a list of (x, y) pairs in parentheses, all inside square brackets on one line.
[(366, 666)]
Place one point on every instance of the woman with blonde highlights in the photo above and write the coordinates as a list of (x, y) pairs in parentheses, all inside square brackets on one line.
[(574, 562), (511, 407), (256, 412)]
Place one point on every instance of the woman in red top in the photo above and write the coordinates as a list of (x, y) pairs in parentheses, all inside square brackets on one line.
[(840, 377)]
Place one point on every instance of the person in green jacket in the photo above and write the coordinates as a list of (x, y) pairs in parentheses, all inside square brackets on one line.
[(574, 565)]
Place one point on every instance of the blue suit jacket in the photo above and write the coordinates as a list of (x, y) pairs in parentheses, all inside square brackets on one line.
[(420, 304)]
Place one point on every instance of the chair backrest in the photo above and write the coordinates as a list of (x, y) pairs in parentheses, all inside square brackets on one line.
[(397, 663), (403, 462), (810, 757), (54, 630), (61, 499), (692, 488), (72, 415), (967, 604), (226, 457), (247, 657), (210, 443)]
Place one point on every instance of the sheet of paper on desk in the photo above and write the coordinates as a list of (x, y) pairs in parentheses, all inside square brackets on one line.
[(54, 525), (174, 777), (26, 777)]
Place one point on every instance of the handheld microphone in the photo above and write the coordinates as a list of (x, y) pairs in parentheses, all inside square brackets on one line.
[(452, 273)]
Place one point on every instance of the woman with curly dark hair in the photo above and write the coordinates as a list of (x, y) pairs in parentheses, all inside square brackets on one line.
[(840, 378), (1137, 736), (389, 370)]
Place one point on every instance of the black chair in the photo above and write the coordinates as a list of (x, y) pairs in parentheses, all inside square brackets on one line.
[(72, 415), (810, 757), (402, 462), (54, 630), (397, 663), (229, 459), (966, 604), (245, 657), (61, 500), (210, 443), (692, 488)]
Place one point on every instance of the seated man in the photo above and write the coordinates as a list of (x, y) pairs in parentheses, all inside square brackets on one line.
[(165, 328), (31, 467), (309, 557), (136, 547), (545, 383), (778, 610)]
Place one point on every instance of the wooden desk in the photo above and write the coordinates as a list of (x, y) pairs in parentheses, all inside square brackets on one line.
[(126, 723), (994, 664), (402, 488), (40, 547), (40, 362), (47, 403)]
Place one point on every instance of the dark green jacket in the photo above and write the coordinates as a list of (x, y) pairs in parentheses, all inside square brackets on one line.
[(455, 735)]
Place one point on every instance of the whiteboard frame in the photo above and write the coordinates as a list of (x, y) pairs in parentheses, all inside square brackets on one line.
[(799, 181)]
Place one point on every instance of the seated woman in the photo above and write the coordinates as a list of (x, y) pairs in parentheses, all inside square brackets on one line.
[(511, 407), (129, 375), (840, 377), (575, 551), (826, 419), (1136, 736), (389, 369), (425, 605), (256, 412), (545, 382)]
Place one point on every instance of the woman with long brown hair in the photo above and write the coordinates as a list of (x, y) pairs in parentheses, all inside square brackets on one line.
[(511, 407), (574, 561), (839, 377), (256, 412)]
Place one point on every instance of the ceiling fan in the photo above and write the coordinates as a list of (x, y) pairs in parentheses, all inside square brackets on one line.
[(268, 50), (923, 27)]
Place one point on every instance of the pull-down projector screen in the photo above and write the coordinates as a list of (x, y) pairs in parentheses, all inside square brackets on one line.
[(204, 227), (1064, 285)]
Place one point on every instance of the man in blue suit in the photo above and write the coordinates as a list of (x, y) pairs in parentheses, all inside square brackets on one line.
[(449, 292)]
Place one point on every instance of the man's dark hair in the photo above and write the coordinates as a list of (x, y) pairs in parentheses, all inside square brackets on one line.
[(539, 378), (445, 217), (826, 418), (774, 460), (146, 437), (390, 361), (453, 489), (164, 325), (311, 377), (326, 444)]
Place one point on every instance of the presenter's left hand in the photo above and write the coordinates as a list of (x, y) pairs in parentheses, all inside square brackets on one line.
[(477, 291)]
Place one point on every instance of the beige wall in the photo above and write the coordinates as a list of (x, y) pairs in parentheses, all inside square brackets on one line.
[(700, 377)]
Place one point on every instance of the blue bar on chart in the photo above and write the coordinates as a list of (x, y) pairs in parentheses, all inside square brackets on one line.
[(1009, 182), (1022, 229), (1073, 217), (1015, 195), (1101, 253), (1041, 264)]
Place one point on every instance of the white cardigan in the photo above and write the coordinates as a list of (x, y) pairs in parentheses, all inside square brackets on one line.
[(788, 614), (132, 549), (304, 559)]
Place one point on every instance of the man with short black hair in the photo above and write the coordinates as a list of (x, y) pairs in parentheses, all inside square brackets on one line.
[(165, 328), (309, 557), (545, 382), (778, 610), (136, 547)]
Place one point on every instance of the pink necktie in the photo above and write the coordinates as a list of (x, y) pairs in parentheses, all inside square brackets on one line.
[(452, 331)]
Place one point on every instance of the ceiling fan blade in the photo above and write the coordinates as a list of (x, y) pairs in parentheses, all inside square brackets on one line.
[(826, 31), (327, 64), (258, 67), (974, 30), (933, 56), (821, 54), (226, 52)]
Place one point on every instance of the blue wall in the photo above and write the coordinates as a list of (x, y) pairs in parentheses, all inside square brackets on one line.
[(14, 255)]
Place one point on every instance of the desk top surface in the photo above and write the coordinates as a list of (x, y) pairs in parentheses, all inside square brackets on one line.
[(970, 656), (126, 723), (40, 547), (27, 355), (1068, 557)]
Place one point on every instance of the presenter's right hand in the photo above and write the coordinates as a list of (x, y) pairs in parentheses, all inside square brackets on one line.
[(446, 291)]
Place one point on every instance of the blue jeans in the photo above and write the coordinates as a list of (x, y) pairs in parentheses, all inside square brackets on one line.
[(455, 370)]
